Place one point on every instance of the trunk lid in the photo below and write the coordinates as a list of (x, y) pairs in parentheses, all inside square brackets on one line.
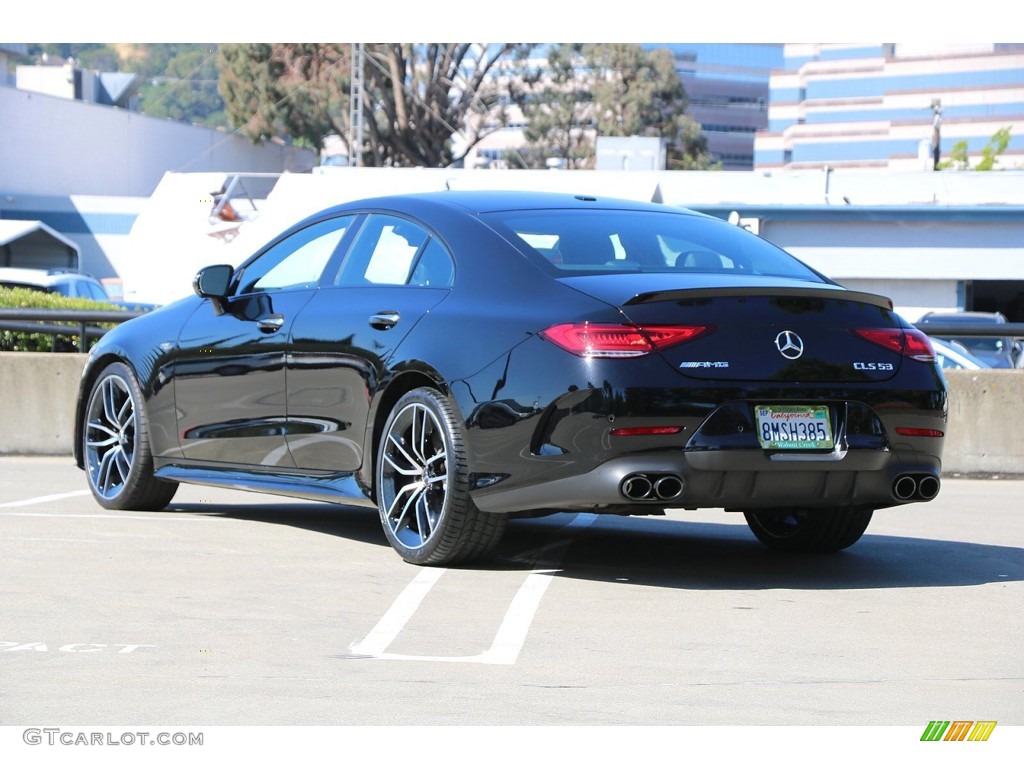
[(782, 330)]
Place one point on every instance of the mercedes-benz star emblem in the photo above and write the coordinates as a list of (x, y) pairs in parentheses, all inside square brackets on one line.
[(790, 345)]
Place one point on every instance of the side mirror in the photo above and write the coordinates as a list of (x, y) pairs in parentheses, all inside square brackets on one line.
[(213, 283)]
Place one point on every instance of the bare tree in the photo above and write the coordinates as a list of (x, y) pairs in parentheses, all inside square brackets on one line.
[(416, 97)]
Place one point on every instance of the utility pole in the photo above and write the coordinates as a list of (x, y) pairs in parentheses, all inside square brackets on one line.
[(355, 108)]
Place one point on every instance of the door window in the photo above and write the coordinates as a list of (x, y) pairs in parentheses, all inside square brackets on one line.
[(392, 251), (298, 261)]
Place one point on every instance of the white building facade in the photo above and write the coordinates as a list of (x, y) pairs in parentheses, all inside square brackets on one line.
[(877, 105)]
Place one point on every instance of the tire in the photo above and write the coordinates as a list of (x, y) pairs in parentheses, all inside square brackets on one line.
[(115, 445), (422, 483), (809, 530)]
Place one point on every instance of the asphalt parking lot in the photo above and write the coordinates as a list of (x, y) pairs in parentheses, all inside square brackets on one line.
[(237, 609)]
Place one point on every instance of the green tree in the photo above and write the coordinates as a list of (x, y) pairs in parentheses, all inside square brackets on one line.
[(89, 55), (149, 60), (638, 92), (687, 147), (103, 58), (959, 155), (292, 91), (618, 89), (185, 89), (556, 99), (179, 80)]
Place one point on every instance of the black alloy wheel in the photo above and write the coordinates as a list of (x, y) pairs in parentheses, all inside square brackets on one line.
[(115, 445), (423, 485)]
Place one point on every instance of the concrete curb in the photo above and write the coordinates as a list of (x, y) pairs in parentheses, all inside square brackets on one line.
[(985, 433)]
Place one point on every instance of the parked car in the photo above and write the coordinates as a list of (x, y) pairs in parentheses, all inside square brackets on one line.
[(67, 283), (455, 358), (64, 282), (953, 356), (997, 351)]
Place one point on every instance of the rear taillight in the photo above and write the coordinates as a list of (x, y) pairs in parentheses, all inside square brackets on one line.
[(909, 343), (919, 347), (606, 340)]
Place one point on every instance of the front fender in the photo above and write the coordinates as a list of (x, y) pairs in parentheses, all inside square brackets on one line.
[(146, 345)]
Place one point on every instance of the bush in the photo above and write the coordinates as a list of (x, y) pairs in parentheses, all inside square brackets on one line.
[(25, 298)]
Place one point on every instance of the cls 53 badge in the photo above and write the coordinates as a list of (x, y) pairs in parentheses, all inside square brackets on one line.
[(873, 367)]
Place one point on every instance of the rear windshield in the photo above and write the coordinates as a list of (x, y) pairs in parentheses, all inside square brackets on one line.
[(572, 242)]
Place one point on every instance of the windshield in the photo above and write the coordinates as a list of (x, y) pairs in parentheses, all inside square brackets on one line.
[(981, 344), (572, 242)]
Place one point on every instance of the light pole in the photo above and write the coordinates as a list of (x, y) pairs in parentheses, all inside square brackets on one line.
[(936, 132)]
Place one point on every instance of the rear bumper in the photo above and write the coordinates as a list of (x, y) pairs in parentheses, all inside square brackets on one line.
[(737, 479), (574, 449)]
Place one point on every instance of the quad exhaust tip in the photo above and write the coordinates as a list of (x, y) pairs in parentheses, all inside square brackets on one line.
[(652, 487), (928, 487), (922, 487)]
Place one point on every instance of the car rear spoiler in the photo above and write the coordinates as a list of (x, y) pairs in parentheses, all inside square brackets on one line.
[(839, 294)]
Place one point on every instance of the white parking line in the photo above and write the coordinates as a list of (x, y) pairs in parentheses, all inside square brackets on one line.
[(398, 615), (516, 625), (43, 499), (155, 516), (91, 516), (512, 632)]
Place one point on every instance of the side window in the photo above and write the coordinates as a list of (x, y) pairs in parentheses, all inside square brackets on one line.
[(384, 252), (434, 268), (298, 260)]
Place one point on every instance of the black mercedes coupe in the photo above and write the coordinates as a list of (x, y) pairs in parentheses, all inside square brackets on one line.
[(454, 359)]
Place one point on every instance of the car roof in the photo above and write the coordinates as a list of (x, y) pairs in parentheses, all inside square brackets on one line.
[(30, 276), (953, 317), (484, 201)]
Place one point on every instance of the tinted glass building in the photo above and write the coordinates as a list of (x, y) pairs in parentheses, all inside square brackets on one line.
[(728, 89)]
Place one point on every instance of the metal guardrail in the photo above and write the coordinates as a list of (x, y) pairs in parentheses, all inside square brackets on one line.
[(990, 330), (45, 322), (22, 320)]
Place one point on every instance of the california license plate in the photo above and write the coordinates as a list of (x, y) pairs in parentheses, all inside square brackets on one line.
[(794, 427)]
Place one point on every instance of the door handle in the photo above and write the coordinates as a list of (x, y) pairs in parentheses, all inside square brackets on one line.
[(270, 323), (382, 321)]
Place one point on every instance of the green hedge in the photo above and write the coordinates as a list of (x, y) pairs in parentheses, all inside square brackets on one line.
[(25, 298)]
